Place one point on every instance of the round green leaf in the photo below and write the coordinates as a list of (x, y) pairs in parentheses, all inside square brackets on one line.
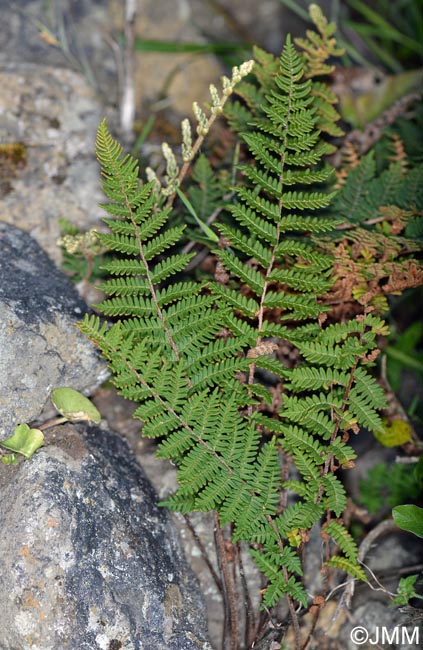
[(397, 434), (74, 406)]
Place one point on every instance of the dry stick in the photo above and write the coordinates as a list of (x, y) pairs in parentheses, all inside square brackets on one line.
[(229, 596), (316, 615), (225, 604), (203, 552), (364, 140), (127, 103), (263, 614), (117, 55)]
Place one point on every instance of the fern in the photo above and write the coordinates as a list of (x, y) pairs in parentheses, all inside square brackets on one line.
[(377, 244), (192, 354)]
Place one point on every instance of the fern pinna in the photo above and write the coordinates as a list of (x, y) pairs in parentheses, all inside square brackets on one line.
[(192, 355)]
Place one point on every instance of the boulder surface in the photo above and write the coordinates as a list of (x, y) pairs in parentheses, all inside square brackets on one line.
[(40, 346), (88, 561)]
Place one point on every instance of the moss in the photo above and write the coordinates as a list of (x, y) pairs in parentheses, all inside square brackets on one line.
[(13, 157)]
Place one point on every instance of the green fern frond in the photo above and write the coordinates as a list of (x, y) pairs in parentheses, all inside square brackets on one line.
[(336, 499), (363, 408), (195, 355), (343, 539), (279, 588), (314, 378), (205, 194), (295, 439), (342, 452), (349, 566), (302, 515)]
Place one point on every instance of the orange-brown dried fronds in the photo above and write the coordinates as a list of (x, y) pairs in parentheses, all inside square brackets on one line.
[(399, 154), (350, 160)]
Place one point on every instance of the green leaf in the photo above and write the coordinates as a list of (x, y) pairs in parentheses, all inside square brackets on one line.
[(204, 227), (406, 591), (347, 565), (409, 518), (176, 47), (74, 406), (24, 441), (398, 433)]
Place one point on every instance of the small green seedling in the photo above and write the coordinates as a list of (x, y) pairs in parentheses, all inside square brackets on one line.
[(406, 591), (74, 406), (9, 459), (24, 441)]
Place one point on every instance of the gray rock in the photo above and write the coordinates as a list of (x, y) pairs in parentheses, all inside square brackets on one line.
[(380, 625), (53, 116), (88, 561), (40, 345)]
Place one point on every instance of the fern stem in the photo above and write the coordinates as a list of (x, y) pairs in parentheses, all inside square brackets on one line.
[(273, 254), (316, 614), (250, 621), (294, 617), (230, 607), (203, 552), (338, 418)]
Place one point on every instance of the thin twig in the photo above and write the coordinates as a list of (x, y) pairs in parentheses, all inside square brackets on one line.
[(364, 140), (203, 552), (190, 245)]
